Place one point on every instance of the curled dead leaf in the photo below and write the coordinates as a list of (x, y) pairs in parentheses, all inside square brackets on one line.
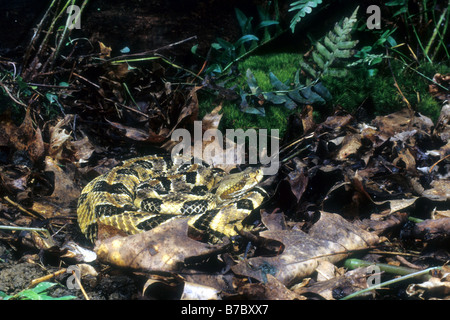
[(164, 248), (22, 138)]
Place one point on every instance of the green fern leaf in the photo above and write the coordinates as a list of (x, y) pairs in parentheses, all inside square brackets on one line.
[(303, 7), (335, 46)]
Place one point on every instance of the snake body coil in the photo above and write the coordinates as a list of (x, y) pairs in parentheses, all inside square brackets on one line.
[(145, 192)]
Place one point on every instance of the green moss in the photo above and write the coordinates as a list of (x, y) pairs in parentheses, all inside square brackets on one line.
[(284, 66), (276, 116), (349, 92)]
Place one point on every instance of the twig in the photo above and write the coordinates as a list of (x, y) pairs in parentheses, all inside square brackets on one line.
[(80, 285), (35, 36), (432, 167), (157, 56), (88, 81), (127, 107), (67, 30), (11, 96), (139, 54), (383, 284), (20, 207), (47, 277)]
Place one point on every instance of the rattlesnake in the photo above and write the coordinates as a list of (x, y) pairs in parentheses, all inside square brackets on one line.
[(145, 192)]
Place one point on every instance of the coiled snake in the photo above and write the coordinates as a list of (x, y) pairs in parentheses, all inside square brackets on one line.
[(145, 192)]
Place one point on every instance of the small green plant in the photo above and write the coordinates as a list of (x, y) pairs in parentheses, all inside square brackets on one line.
[(335, 47), (290, 95), (303, 7), (223, 54), (370, 56), (424, 25), (39, 292)]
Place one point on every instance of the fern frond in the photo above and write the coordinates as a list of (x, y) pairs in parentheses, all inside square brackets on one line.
[(303, 7), (335, 46)]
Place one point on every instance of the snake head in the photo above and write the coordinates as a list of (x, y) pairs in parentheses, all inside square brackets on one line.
[(239, 183)]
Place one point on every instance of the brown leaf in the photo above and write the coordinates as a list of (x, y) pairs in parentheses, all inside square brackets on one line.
[(429, 229), (83, 149), (298, 182), (307, 119), (350, 145), (153, 249), (351, 281), (22, 138), (336, 122), (137, 134), (442, 128), (60, 139), (65, 192), (271, 289), (437, 91), (50, 210), (213, 151), (440, 190), (330, 239), (105, 52), (401, 121), (405, 156)]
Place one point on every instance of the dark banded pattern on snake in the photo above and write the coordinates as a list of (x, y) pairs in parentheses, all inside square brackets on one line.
[(146, 192)]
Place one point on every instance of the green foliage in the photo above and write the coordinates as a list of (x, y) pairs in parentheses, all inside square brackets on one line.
[(424, 25), (270, 84), (303, 7), (39, 292), (224, 54), (369, 57), (336, 46), (288, 94), (350, 92)]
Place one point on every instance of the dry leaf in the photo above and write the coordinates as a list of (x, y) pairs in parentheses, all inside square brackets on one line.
[(164, 248), (65, 192), (272, 289), (350, 145), (22, 138), (105, 52), (331, 239)]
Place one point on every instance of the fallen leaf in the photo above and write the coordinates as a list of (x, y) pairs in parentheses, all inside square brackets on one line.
[(339, 286), (66, 191), (154, 249), (350, 145), (442, 128), (330, 239), (272, 289), (22, 138), (401, 121), (105, 52), (431, 230)]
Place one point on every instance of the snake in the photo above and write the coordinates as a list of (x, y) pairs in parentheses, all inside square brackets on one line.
[(146, 192)]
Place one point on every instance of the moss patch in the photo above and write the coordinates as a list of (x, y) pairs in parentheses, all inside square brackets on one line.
[(349, 92)]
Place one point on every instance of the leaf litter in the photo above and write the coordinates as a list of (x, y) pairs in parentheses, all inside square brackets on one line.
[(347, 186)]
